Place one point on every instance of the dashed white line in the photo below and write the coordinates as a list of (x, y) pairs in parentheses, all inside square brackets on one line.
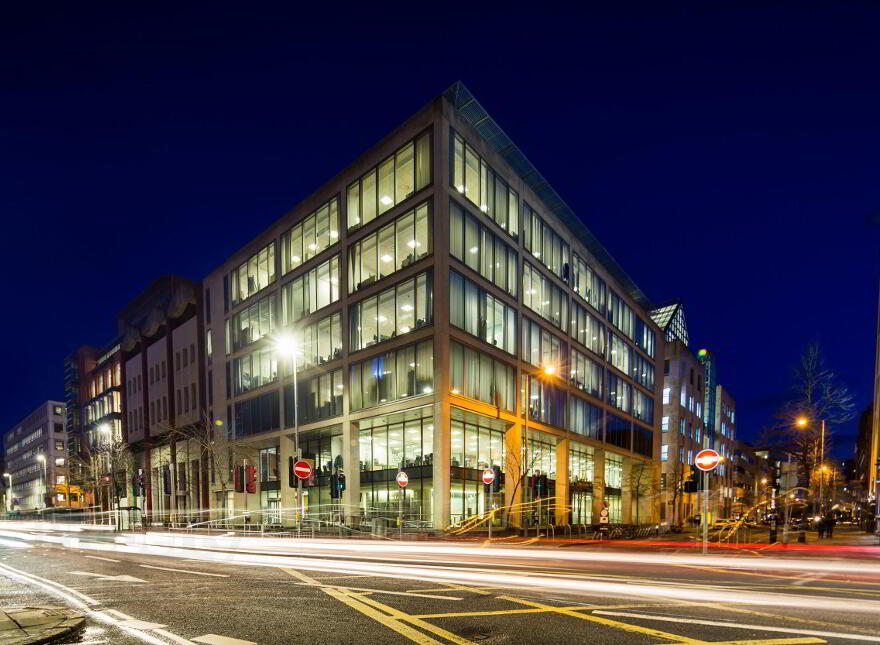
[(195, 573), (718, 623), (97, 557)]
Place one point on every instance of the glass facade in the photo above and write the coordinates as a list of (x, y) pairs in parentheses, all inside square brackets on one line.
[(543, 297), (584, 418), (310, 292), (479, 376), (253, 276), (322, 341), (393, 312), (317, 232), (544, 243), (587, 284), (474, 446), (587, 330), (546, 400), (254, 370), (392, 376), (481, 314), (472, 177), (586, 374), (476, 246), (318, 397), (393, 247), (254, 322), (580, 482), (388, 444), (541, 348), (391, 182)]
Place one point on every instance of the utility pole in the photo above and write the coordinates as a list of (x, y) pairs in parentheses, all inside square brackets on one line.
[(705, 512)]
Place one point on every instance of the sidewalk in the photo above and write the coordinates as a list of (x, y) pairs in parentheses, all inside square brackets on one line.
[(33, 625)]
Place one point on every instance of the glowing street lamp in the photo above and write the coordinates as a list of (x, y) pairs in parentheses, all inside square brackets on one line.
[(9, 497), (42, 459), (286, 346)]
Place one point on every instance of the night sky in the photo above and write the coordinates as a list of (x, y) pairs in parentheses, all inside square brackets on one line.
[(728, 157)]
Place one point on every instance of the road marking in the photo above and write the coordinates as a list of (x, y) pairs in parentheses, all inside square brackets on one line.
[(535, 610), (607, 622), (216, 639), (83, 602), (382, 591), (716, 623), (195, 573), (391, 618), (97, 557), (418, 622), (134, 623), (173, 637), (454, 587), (774, 641), (102, 576), (809, 578)]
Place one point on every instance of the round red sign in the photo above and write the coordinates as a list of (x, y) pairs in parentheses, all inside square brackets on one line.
[(707, 459), (402, 479), (302, 469), (488, 476)]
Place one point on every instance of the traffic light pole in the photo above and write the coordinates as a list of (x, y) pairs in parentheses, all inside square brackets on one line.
[(705, 513)]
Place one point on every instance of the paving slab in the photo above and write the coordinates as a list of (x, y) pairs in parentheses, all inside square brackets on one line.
[(38, 625)]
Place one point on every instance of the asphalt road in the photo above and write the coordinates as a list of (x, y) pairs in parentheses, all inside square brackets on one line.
[(185, 589)]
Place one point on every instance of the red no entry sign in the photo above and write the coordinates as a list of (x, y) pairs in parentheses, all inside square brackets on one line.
[(488, 476), (707, 459), (402, 479), (302, 469)]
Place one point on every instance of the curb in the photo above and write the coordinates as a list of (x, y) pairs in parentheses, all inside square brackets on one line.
[(39, 625)]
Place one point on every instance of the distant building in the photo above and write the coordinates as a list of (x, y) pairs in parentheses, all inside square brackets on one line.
[(35, 453), (682, 430)]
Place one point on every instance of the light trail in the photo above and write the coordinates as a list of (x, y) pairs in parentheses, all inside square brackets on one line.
[(449, 570)]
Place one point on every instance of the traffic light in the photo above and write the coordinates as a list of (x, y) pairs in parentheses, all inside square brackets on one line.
[(291, 478), (496, 483), (337, 485), (238, 475), (251, 474), (692, 483)]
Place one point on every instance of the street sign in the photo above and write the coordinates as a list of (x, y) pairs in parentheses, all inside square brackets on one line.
[(488, 476), (707, 459), (302, 469), (402, 479)]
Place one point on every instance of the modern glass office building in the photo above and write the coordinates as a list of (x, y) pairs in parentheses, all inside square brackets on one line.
[(453, 314)]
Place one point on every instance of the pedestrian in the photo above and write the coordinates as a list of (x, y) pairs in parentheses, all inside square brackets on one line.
[(831, 522), (820, 527)]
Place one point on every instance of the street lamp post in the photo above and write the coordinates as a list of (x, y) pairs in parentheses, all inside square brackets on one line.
[(287, 347), (9, 493), (42, 459)]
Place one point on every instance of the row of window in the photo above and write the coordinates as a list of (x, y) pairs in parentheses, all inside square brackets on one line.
[(473, 178), (541, 348), (317, 398), (394, 375), (310, 292), (479, 376), (393, 312), (391, 182), (252, 323), (476, 246), (543, 297), (587, 284), (318, 231), (322, 341), (393, 247), (254, 275), (481, 314), (544, 243)]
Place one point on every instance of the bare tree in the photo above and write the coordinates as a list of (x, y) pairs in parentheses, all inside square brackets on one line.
[(518, 464), (675, 478), (817, 395), (640, 482)]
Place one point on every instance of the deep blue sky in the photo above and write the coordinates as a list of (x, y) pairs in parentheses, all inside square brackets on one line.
[(725, 156)]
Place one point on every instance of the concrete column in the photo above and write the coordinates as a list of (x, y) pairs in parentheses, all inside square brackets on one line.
[(626, 496), (562, 482), (286, 450), (513, 472), (351, 460), (598, 482), (441, 473)]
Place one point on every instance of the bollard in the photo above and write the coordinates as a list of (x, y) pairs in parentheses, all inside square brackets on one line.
[(802, 537), (771, 538)]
